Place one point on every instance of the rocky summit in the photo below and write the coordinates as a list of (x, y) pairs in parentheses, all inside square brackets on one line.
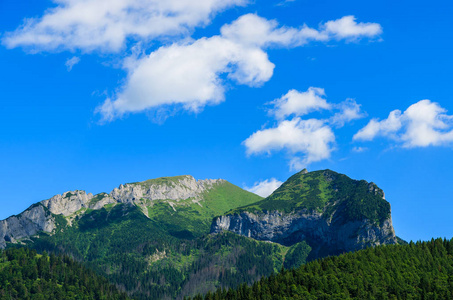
[(41, 216), (330, 211)]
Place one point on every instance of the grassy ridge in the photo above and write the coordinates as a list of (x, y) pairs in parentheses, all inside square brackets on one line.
[(189, 219), (325, 191)]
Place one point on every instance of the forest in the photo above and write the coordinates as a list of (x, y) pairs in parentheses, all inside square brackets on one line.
[(422, 270), (24, 274)]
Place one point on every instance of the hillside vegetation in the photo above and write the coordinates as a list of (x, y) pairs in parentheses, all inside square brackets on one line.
[(422, 270), (188, 219), (140, 256), (27, 275), (160, 248), (325, 191)]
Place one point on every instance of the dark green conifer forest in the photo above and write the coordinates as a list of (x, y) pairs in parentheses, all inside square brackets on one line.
[(422, 270), (24, 274)]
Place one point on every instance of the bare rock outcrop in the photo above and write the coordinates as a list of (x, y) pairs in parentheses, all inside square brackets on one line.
[(328, 236), (36, 218), (41, 216), (178, 189)]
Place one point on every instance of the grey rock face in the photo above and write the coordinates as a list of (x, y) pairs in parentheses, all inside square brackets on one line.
[(68, 203), (30, 222), (39, 217), (326, 236), (143, 194), (184, 188)]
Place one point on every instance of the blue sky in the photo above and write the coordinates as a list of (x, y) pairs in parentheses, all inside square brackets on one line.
[(248, 91)]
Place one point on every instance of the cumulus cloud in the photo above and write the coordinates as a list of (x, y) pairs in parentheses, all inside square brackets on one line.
[(348, 28), (305, 141), (71, 62), (189, 73), (105, 25), (299, 103), (311, 138), (265, 188), (422, 124)]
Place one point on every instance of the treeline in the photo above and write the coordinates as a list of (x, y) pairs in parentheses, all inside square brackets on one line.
[(141, 258), (422, 270), (26, 275)]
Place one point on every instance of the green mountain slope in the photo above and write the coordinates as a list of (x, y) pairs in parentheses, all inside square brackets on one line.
[(141, 257), (325, 191), (422, 270), (167, 252), (189, 219), (152, 238), (331, 212), (27, 275)]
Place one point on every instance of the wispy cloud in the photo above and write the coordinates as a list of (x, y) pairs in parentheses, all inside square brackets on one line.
[(285, 2), (71, 62), (349, 110), (359, 149)]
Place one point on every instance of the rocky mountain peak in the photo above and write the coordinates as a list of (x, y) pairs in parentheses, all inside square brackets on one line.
[(164, 188), (68, 203), (324, 208), (40, 216)]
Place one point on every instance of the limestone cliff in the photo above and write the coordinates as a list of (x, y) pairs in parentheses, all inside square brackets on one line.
[(36, 218), (330, 211), (41, 216), (326, 237)]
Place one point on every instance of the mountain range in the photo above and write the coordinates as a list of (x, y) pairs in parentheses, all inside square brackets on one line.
[(172, 237)]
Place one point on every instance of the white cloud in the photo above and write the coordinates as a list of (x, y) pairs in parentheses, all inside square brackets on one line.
[(299, 103), (385, 127), (349, 111), (422, 124), (71, 62), (348, 28), (253, 30), (305, 141), (189, 74), (106, 24), (310, 138), (265, 188), (427, 125)]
